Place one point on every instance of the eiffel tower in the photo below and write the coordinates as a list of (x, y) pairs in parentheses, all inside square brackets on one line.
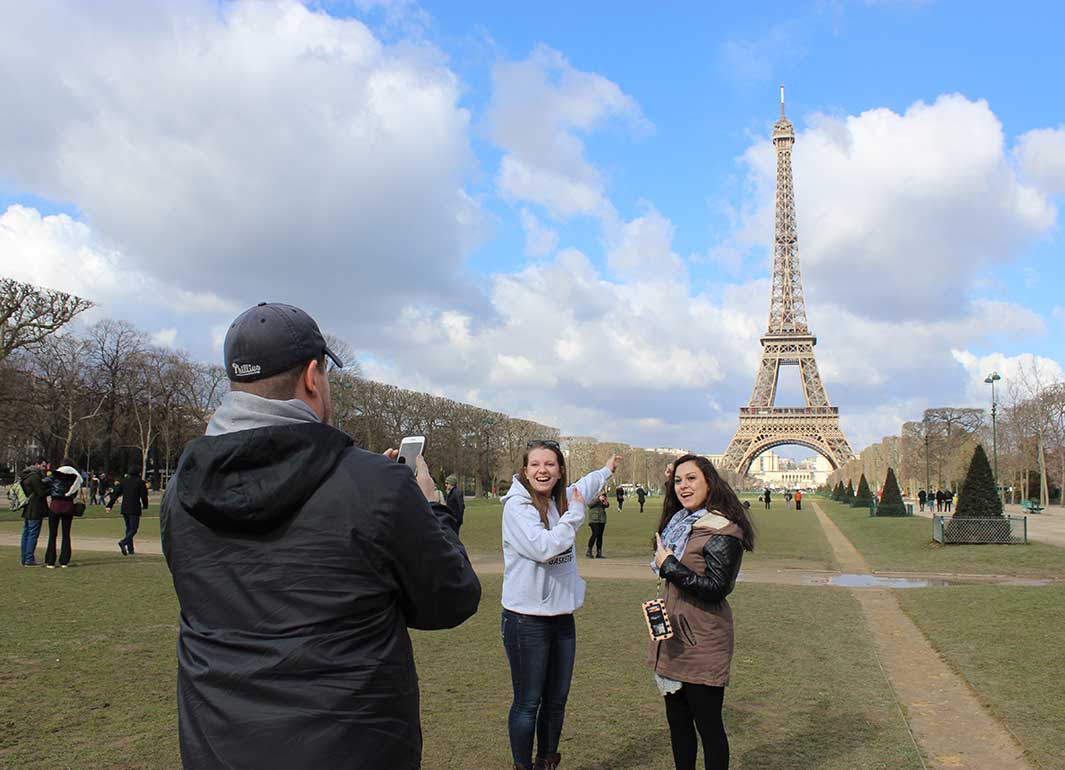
[(788, 342)]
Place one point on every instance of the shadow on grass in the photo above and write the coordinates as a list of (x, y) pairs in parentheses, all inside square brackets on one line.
[(824, 738), (639, 749)]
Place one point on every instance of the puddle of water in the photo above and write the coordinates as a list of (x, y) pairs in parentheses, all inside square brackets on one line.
[(873, 581)]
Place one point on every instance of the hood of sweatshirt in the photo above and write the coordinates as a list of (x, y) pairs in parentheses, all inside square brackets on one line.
[(517, 489), (255, 480)]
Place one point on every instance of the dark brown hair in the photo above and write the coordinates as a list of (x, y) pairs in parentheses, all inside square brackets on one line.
[(719, 498), (558, 493)]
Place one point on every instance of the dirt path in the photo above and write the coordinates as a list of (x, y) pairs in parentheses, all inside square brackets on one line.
[(952, 728)]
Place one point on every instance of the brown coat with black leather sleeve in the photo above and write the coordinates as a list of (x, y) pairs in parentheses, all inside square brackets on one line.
[(700, 650)]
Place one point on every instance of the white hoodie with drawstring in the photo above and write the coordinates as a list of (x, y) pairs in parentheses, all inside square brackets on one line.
[(539, 564)]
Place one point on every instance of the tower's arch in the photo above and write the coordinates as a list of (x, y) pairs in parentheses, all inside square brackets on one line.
[(766, 445)]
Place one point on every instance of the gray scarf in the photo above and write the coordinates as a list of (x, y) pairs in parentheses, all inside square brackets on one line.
[(244, 411)]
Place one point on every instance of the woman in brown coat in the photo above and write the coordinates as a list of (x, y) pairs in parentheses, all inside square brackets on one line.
[(701, 537)]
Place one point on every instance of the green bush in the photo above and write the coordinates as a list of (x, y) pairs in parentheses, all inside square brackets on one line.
[(863, 498), (978, 496), (848, 493), (891, 499)]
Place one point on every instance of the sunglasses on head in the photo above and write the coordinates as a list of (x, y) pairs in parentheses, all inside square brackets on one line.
[(539, 442)]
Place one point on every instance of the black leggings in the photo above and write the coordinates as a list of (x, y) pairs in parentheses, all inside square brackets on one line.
[(597, 536), (697, 706)]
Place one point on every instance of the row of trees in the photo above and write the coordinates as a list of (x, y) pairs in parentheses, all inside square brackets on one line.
[(108, 399), (934, 452)]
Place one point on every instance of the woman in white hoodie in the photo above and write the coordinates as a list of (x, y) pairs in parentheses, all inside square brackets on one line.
[(541, 591)]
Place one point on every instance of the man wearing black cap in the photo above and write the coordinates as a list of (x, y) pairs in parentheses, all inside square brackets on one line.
[(299, 562)]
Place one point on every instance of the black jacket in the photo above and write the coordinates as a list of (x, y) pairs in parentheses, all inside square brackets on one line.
[(134, 494), (456, 503), (33, 484), (299, 563), (723, 556)]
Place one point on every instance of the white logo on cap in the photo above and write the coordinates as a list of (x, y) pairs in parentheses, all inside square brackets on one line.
[(245, 370)]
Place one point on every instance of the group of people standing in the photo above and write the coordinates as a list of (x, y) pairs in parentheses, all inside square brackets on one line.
[(53, 494), (941, 500), (698, 547), (300, 562)]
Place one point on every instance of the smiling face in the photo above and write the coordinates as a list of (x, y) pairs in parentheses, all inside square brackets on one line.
[(690, 486), (542, 469)]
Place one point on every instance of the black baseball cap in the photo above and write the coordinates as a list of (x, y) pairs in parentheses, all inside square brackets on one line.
[(271, 338)]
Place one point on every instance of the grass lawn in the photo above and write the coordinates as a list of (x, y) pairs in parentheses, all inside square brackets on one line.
[(1007, 642), (87, 663), (905, 544)]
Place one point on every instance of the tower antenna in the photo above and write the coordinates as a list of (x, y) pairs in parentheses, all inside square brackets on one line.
[(781, 100)]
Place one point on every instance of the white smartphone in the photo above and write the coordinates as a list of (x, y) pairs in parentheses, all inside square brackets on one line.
[(409, 449)]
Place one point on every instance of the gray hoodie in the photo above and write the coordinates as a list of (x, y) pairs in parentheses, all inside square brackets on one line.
[(539, 565), (244, 411)]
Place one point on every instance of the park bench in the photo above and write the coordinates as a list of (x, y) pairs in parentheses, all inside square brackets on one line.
[(1031, 506)]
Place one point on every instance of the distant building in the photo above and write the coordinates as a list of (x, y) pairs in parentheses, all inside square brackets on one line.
[(776, 471)]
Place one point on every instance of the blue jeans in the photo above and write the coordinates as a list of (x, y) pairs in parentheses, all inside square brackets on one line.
[(541, 651), (31, 530), (133, 523)]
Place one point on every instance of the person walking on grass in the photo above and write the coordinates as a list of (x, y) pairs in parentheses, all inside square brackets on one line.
[(921, 497), (641, 497), (798, 499), (597, 523), (455, 501), (620, 495), (299, 563), (35, 510), (65, 483), (541, 591), (134, 494), (698, 548), (766, 498)]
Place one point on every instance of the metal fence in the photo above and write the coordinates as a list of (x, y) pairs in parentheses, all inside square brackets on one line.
[(1005, 529)]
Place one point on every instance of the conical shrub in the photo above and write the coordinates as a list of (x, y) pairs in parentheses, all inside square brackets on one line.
[(848, 492), (863, 498), (891, 499), (978, 497), (839, 491)]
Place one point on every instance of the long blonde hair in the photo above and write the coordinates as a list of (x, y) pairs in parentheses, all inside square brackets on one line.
[(542, 502)]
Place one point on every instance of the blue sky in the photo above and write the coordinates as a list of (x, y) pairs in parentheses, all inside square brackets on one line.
[(561, 211)]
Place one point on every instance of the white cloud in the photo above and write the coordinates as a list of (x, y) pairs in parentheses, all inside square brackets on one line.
[(1041, 157), (59, 252), (923, 212), (260, 150), (539, 108), (1022, 375), (166, 338), (539, 240)]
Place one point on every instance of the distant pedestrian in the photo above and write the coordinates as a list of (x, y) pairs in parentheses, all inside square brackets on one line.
[(939, 500), (455, 501), (597, 524), (921, 497), (620, 495), (134, 494), (65, 484), (641, 497), (787, 499), (798, 499), (766, 498), (948, 501), (35, 510), (94, 488)]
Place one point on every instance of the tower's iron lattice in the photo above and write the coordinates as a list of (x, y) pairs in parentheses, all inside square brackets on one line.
[(787, 342)]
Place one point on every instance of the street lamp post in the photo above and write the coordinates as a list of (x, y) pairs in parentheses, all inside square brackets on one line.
[(991, 379)]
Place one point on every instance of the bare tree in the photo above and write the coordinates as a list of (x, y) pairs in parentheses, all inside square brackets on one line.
[(29, 314)]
